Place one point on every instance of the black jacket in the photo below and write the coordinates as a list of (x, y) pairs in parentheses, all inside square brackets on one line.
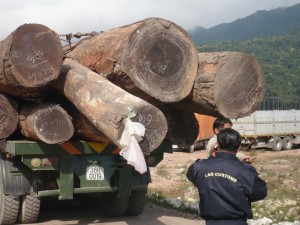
[(226, 187)]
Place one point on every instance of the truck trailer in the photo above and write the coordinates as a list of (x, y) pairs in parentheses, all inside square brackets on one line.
[(31, 171), (275, 129)]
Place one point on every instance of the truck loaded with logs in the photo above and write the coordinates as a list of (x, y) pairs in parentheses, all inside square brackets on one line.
[(91, 117)]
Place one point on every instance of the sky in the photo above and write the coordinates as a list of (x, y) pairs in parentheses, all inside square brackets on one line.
[(71, 16)]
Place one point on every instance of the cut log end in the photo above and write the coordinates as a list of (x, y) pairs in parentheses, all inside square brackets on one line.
[(53, 125), (36, 55), (48, 123), (163, 64), (8, 117), (244, 89)]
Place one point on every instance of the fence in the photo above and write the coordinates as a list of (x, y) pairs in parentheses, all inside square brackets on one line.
[(280, 103)]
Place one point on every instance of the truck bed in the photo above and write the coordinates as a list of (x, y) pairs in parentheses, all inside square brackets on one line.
[(269, 123)]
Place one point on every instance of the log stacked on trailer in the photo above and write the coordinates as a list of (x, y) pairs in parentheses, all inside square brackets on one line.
[(227, 83), (8, 116), (183, 127), (151, 67), (30, 57), (105, 105), (46, 122), (153, 57)]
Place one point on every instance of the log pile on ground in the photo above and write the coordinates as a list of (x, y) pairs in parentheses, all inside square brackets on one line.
[(148, 71)]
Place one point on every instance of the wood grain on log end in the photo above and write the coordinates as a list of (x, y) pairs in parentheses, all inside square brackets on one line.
[(227, 83), (161, 59), (153, 55), (8, 116), (239, 86), (35, 57), (46, 122)]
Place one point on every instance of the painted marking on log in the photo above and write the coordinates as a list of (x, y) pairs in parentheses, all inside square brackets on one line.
[(3, 122), (40, 63), (162, 68), (16, 53), (37, 56), (243, 96), (163, 36), (41, 73), (155, 135)]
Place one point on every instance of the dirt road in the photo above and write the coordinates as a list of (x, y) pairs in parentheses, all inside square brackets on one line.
[(152, 215)]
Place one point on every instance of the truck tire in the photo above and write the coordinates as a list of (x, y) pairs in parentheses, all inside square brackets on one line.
[(9, 206), (277, 144), (287, 143), (112, 205), (29, 208), (191, 148), (137, 203)]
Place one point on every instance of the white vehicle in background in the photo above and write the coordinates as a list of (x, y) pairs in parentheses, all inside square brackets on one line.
[(276, 129)]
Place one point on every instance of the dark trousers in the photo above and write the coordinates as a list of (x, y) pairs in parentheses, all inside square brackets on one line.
[(226, 222)]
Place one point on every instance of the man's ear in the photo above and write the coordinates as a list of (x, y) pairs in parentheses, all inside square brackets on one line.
[(240, 148)]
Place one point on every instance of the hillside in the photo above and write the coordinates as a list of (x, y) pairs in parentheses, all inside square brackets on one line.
[(260, 24), (279, 57)]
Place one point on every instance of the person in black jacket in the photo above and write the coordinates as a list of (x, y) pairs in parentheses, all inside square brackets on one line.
[(226, 185)]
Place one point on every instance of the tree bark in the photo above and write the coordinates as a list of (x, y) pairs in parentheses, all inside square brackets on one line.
[(83, 128), (46, 122), (8, 116), (30, 57), (227, 83), (153, 57), (183, 127), (105, 105)]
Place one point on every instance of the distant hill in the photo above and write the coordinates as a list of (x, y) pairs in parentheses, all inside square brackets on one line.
[(260, 24), (279, 57)]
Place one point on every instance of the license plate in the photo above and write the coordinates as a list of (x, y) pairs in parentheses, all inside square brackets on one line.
[(95, 173)]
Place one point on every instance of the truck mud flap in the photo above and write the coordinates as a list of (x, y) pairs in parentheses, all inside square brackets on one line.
[(15, 182)]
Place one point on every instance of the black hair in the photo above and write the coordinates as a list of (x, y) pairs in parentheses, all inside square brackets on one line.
[(220, 122), (229, 139)]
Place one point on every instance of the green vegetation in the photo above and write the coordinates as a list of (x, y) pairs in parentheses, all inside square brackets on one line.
[(279, 57), (260, 24)]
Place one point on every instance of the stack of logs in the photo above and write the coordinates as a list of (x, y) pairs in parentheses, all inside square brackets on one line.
[(150, 70)]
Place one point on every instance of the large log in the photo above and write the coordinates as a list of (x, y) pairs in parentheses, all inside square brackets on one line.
[(227, 83), (8, 116), (105, 105), (183, 126), (83, 128), (30, 57), (46, 122), (153, 56)]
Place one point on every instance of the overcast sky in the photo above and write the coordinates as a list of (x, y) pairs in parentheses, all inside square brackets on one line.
[(70, 16)]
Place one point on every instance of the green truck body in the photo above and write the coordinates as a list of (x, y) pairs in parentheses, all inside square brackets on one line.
[(30, 171)]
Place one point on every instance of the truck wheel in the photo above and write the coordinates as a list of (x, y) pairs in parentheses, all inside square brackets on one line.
[(9, 206), (137, 202), (30, 208), (112, 205), (277, 144), (287, 143), (191, 148)]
